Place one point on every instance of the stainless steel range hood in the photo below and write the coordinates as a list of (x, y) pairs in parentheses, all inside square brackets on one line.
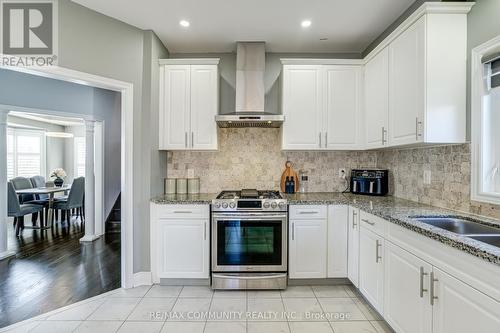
[(250, 91)]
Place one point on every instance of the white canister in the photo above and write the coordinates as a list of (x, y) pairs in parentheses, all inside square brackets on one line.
[(181, 186), (193, 185), (170, 185)]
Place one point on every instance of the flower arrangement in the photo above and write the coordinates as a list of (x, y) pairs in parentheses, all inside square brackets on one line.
[(58, 173)]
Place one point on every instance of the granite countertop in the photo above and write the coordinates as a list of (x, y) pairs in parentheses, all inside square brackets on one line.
[(395, 210), (400, 212), (184, 199)]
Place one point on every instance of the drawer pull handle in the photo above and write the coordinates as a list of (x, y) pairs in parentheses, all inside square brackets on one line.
[(182, 212), (308, 212), (366, 221)]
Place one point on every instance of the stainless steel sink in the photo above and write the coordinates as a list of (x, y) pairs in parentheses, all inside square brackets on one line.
[(488, 239), (459, 225)]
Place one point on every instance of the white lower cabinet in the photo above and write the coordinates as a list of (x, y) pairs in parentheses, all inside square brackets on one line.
[(308, 248), (371, 271), (459, 308), (406, 301), (353, 246), (337, 241), (180, 243)]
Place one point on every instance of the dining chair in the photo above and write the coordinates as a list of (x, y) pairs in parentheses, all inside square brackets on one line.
[(74, 200), (23, 183), (17, 210)]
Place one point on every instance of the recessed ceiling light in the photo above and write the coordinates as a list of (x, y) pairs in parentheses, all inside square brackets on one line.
[(184, 23), (305, 23)]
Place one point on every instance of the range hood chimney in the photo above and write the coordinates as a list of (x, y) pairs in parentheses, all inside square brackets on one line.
[(250, 90)]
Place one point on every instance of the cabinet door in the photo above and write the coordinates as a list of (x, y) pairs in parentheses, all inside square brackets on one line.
[(353, 246), (307, 249), (183, 248), (406, 85), (302, 107), (337, 241), (371, 268), (175, 100), (460, 308), (204, 107), (343, 99), (377, 100), (406, 301)]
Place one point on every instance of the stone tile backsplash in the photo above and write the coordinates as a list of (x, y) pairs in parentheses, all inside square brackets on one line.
[(252, 158), (450, 168)]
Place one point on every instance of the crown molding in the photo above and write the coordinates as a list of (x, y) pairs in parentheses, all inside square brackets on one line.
[(189, 61)]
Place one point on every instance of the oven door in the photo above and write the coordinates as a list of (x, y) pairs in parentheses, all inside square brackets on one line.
[(249, 242)]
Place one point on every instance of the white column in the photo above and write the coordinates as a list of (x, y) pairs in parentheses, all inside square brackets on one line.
[(4, 253), (89, 183)]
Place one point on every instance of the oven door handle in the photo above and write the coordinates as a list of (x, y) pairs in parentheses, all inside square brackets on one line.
[(248, 217), (249, 277)]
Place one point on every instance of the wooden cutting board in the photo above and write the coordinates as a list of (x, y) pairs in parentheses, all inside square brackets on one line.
[(289, 172)]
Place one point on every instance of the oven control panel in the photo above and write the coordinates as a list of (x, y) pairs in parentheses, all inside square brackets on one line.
[(263, 205)]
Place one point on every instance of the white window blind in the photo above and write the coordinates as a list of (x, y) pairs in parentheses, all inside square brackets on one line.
[(25, 153), (79, 157)]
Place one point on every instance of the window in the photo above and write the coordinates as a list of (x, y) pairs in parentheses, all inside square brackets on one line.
[(25, 153), (485, 110), (79, 157)]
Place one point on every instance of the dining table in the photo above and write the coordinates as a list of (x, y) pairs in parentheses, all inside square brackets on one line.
[(50, 191)]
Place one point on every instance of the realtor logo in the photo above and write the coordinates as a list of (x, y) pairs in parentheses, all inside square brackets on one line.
[(28, 31)]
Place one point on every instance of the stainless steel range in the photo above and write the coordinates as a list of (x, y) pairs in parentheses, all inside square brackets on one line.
[(249, 240)]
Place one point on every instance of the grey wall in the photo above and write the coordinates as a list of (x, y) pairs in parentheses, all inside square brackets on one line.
[(36, 92), (97, 44), (69, 150), (55, 147), (227, 71), (107, 108)]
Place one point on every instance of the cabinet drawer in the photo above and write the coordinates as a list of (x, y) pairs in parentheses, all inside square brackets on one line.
[(183, 211), (373, 223), (308, 212)]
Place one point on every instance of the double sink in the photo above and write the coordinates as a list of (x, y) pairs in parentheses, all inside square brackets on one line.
[(475, 230)]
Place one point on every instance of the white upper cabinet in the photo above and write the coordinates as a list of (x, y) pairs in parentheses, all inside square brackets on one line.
[(424, 63), (189, 102), (322, 106), (377, 100), (406, 85), (175, 99), (302, 107), (204, 106), (343, 102)]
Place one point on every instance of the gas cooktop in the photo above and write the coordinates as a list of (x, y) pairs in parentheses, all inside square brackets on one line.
[(249, 199)]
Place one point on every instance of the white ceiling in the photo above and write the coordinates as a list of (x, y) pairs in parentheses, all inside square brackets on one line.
[(49, 119), (349, 25)]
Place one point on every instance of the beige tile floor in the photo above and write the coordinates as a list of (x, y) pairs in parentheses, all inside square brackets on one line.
[(179, 309)]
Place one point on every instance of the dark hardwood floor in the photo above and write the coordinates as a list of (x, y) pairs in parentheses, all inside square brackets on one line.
[(52, 269)]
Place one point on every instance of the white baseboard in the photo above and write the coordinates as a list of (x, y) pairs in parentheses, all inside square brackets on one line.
[(142, 279)]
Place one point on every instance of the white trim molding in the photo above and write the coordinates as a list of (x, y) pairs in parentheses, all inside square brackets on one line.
[(189, 61), (477, 93), (127, 149), (306, 61), (426, 8), (142, 279)]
